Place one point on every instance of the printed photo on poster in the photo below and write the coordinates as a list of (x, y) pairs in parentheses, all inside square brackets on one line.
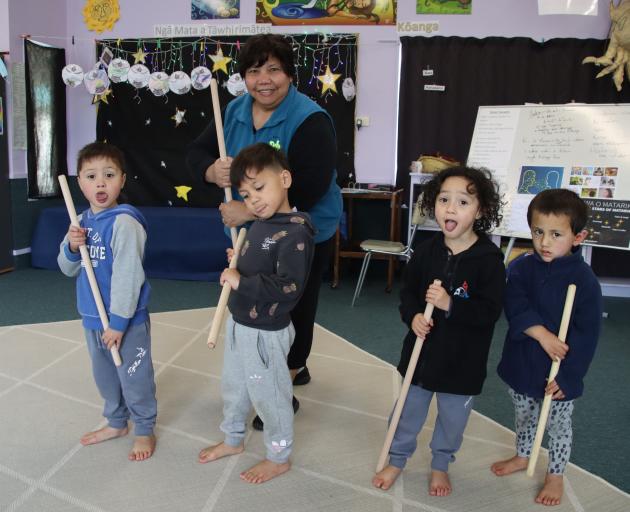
[(326, 12), (592, 182), (608, 223), (535, 179), (443, 6), (215, 9)]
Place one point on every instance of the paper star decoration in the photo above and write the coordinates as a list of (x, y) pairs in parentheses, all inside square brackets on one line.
[(139, 56), (182, 191), (147, 122), (329, 79), (102, 97), (220, 61), (179, 117), (162, 163)]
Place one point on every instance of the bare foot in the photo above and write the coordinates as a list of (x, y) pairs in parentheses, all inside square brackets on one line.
[(386, 477), (551, 493), (440, 484), (263, 471), (143, 448), (104, 434), (218, 451), (509, 466)]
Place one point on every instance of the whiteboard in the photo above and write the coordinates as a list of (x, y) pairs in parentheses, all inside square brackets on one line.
[(585, 148)]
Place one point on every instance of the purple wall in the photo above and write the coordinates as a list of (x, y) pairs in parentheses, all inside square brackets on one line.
[(377, 69)]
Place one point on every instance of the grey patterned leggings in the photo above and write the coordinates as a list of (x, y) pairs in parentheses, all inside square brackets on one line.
[(559, 428)]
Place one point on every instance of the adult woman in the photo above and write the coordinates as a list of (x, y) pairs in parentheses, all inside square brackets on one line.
[(276, 113)]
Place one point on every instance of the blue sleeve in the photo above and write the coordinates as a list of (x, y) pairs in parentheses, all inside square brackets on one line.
[(519, 311)]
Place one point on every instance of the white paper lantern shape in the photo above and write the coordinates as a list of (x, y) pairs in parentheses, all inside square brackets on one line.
[(236, 85), (138, 76), (179, 82), (158, 83), (200, 77), (72, 75), (96, 81), (118, 70), (348, 89)]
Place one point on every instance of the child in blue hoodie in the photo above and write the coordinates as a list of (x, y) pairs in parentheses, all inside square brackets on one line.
[(115, 237), (534, 301)]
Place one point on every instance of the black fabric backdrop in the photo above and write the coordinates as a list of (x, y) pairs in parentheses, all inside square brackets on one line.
[(45, 119), (141, 124), (493, 71)]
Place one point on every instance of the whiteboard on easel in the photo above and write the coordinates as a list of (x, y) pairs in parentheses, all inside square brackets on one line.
[(585, 148)]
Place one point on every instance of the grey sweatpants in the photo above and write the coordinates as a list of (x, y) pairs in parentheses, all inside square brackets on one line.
[(448, 434), (255, 372), (128, 390), (559, 427)]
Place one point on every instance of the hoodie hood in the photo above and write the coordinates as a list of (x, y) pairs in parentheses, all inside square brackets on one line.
[(113, 212)]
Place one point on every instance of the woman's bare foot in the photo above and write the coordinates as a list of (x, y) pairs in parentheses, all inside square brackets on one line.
[(440, 484), (509, 466), (386, 477), (143, 448), (103, 434), (551, 493), (218, 451), (263, 471)]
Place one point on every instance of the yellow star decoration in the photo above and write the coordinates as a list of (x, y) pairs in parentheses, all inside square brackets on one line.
[(102, 97), (220, 61), (329, 79), (100, 15), (139, 56), (178, 117), (182, 191)]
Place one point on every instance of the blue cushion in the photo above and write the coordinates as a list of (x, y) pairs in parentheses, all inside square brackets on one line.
[(182, 243)]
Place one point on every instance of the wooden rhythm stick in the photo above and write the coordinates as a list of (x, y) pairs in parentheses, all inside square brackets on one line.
[(87, 264), (216, 106), (217, 321), (555, 366), (411, 368)]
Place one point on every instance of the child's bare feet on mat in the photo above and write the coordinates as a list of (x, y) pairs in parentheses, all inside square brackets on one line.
[(386, 477), (103, 434), (509, 466), (143, 448), (551, 493), (440, 484), (218, 451), (263, 471)]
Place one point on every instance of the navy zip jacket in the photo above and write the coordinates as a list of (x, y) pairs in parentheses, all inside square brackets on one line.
[(535, 295), (455, 352)]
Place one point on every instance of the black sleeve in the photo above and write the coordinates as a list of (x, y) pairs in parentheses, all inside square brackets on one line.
[(412, 294), (312, 156), (202, 152)]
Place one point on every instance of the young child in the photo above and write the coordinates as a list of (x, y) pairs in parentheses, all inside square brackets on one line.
[(272, 269), (115, 236), (465, 203), (534, 302)]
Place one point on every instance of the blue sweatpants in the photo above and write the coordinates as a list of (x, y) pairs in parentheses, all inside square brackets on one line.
[(128, 390), (448, 434)]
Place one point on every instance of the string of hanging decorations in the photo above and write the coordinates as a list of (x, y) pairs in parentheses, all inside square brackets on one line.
[(179, 66)]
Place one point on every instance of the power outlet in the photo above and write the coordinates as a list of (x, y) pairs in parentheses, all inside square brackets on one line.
[(362, 121)]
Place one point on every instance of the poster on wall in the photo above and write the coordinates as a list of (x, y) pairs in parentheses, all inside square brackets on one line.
[(215, 9), (443, 6), (326, 12)]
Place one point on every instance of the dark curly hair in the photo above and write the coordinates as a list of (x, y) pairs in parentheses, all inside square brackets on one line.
[(480, 183), (259, 48)]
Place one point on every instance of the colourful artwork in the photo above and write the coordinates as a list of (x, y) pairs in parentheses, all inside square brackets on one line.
[(443, 6), (326, 12), (535, 179), (215, 9)]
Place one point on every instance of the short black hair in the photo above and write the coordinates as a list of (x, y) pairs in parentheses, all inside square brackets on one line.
[(256, 157), (480, 183), (100, 150), (259, 48), (560, 201)]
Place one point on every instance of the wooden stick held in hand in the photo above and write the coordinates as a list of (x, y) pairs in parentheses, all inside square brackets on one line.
[(217, 321), (218, 122), (411, 368), (87, 264), (555, 367)]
